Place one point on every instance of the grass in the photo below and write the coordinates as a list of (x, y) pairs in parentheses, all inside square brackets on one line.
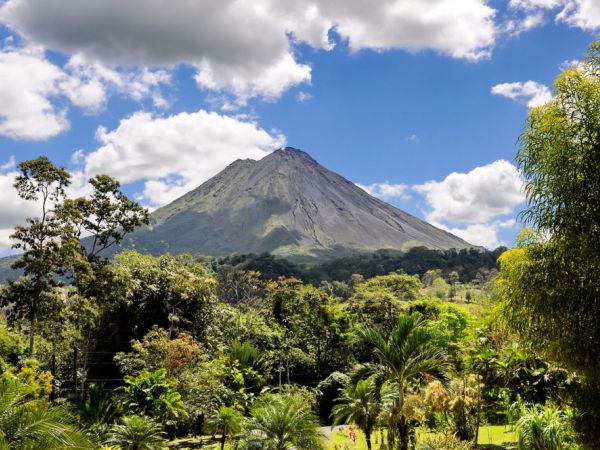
[(492, 437)]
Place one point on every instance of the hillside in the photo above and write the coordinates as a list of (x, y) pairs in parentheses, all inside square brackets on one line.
[(286, 204)]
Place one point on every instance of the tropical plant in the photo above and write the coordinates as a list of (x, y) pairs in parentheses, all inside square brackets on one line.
[(359, 404), (402, 358), (153, 394), (97, 406), (34, 424), (137, 433), (549, 285), (543, 427), (281, 422), (458, 402), (444, 441), (227, 421)]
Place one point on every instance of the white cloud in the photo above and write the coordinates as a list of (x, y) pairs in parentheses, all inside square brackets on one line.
[(483, 234), (462, 29), (88, 83), (530, 92), (387, 191), (14, 208), (584, 14), (478, 196), (27, 82), (303, 97), (534, 4), (175, 154), (33, 90), (269, 82), (245, 47)]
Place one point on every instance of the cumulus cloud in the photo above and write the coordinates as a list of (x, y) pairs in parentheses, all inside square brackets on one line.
[(14, 208), (476, 196), (174, 154), (584, 14), (530, 92), (33, 90), (387, 191), (483, 234), (88, 83), (246, 46), (472, 205), (27, 82)]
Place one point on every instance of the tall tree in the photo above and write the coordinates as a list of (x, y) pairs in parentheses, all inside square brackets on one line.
[(549, 285), (40, 240), (402, 358)]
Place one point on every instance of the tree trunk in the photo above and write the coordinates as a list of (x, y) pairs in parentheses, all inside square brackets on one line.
[(223, 437), (403, 434), (368, 439), (31, 335)]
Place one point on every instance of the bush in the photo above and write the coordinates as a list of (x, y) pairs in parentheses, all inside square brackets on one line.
[(443, 442)]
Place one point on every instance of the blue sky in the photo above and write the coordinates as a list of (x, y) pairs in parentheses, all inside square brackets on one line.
[(421, 103)]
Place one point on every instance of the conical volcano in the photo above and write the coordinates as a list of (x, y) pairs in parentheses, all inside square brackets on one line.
[(286, 204)]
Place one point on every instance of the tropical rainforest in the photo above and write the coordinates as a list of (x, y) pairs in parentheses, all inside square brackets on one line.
[(423, 349)]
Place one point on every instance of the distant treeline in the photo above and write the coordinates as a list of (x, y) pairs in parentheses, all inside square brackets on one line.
[(469, 264)]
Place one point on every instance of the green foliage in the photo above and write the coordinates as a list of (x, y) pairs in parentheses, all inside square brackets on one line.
[(401, 358), (543, 428), (459, 403), (281, 422), (171, 292), (153, 394), (226, 421), (381, 299), (359, 404), (549, 287), (27, 423), (443, 441), (137, 433), (327, 392)]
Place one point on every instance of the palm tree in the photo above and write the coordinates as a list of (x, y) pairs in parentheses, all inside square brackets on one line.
[(282, 422), (404, 356), (361, 405), (543, 428), (137, 433), (34, 424), (97, 406), (227, 421)]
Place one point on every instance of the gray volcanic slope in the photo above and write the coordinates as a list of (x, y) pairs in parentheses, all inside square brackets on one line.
[(286, 204)]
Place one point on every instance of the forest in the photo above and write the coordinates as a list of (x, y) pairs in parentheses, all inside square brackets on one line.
[(423, 350)]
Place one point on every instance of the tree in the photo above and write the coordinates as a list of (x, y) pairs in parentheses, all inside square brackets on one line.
[(51, 243), (137, 433), (280, 422), (226, 421), (359, 404), (402, 358), (33, 424), (40, 240), (549, 285)]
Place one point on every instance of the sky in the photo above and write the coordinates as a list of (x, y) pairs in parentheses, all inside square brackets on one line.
[(419, 102)]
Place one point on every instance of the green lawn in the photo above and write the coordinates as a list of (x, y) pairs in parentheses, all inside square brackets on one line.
[(495, 437)]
